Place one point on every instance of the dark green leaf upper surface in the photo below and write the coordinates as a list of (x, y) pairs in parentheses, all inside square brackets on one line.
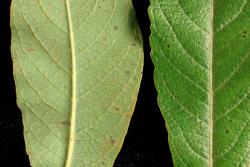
[(200, 49), (77, 69)]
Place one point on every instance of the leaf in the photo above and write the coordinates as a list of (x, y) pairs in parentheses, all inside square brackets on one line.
[(77, 69), (200, 50)]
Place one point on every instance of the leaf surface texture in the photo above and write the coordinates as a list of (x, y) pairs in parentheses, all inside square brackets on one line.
[(200, 49), (77, 68)]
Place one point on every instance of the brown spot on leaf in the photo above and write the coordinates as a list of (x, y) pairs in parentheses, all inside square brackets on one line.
[(127, 72), (29, 50), (117, 109), (65, 123), (112, 141)]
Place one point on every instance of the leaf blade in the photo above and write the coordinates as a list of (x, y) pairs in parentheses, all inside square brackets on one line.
[(188, 52), (97, 79)]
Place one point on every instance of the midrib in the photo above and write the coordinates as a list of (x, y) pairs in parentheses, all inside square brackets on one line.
[(73, 84), (210, 88)]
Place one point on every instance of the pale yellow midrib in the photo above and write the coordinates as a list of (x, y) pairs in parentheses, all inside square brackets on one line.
[(210, 93), (73, 100)]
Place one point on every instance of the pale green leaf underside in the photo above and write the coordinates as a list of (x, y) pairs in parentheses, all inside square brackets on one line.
[(200, 49), (77, 68)]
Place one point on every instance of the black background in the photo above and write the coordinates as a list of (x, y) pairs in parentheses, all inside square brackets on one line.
[(146, 142)]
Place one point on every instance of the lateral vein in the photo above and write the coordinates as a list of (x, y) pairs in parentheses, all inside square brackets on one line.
[(74, 86)]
